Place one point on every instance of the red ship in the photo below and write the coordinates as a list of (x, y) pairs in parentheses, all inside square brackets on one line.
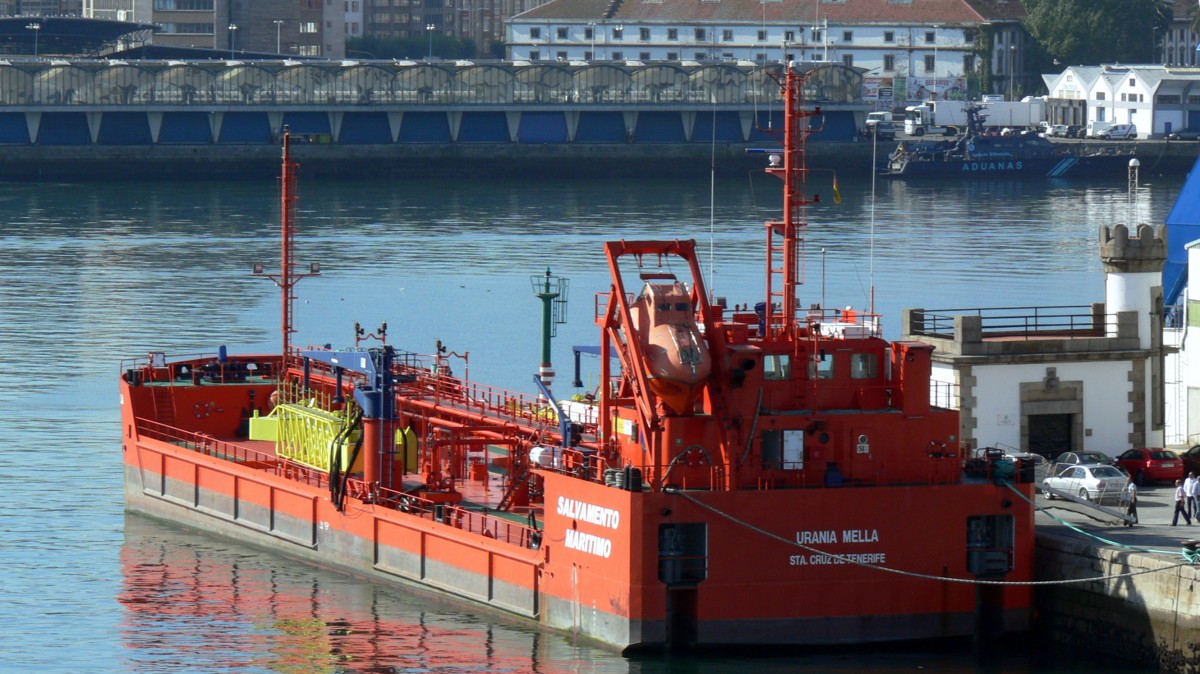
[(755, 475)]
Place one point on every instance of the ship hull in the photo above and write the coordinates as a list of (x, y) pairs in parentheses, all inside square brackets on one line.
[(1035, 167), (601, 575)]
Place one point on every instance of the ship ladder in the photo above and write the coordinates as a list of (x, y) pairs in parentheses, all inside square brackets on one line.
[(164, 405)]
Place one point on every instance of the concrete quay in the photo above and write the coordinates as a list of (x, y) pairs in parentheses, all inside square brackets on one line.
[(1141, 601)]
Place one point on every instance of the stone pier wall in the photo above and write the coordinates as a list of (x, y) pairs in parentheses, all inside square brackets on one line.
[(1151, 618)]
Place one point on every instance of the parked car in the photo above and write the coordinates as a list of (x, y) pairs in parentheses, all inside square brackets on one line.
[(1184, 134), (1058, 131), (1066, 459), (1090, 482), (1152, 464), (1191, 460), (1075, 131)]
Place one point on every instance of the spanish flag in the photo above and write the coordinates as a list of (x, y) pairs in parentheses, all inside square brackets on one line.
[(837, 194)]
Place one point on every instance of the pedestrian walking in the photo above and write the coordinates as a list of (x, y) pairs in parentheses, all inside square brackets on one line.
[(1180, 507), (1131, 502), (1191, 488)]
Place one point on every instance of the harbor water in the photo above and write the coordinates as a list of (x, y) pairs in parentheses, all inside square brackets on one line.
[(96, 272)]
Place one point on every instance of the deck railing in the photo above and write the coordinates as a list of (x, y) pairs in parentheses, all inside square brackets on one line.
[(458, 516), (1029, 323)]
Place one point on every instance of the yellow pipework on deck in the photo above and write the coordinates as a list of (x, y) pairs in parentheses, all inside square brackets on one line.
[(306, 434)]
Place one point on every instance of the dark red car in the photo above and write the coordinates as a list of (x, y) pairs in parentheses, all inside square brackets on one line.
[(1151, 464)]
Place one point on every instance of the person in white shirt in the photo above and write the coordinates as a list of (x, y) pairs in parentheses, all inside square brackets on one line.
[(1180, 508), (1191, 489)]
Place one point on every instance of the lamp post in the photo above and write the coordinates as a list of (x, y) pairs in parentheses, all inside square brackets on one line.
[(1012, 57), (429, 28), (36, 28), (592, 31), (278, 26), (232, 39)]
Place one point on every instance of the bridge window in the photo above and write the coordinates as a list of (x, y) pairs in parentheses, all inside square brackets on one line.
[(864, 366), (777, 367), (821, 366)]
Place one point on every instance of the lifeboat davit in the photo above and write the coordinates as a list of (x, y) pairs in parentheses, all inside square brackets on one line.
[(676, 355)]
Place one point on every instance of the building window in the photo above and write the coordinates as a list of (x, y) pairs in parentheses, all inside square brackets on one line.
[(760, 57), (619, 33), (727, 35), (672, 34), (930, 65), (848, 60), (535, 33), (672, 56), (618, 56), (889, 62), (847, 36), (968, 63), (762, 36), (308, 27), (1099, 95), (789, 36), (930, 37), (561, 56), (644, 56), (561, 33), (700, 34), (816, 35), (535, 55), (700, 56), (1132, 82), (588, 33), (889, 36), (644, 34), (587, 55), (183, 5), (1170, 99), (186, 28)]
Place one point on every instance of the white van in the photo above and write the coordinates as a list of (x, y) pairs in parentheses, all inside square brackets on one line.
[(1119, 132)]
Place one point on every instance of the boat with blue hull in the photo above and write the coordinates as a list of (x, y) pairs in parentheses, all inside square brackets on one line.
[(985, 155)]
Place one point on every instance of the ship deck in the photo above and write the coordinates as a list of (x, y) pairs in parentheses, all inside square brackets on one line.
[(481, 492)]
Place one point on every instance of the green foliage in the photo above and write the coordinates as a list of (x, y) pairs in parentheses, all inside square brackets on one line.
[(411, 48), (1091, 32)]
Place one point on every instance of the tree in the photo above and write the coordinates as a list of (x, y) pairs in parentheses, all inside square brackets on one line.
[(1099, 31)]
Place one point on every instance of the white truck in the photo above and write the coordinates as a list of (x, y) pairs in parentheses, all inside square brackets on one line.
[(1023, 114), (935, 117)]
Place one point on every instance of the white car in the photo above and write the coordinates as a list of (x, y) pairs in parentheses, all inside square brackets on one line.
[(1101, 484)]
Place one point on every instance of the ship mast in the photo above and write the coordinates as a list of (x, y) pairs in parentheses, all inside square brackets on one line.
[(785, 239), (287, 278)]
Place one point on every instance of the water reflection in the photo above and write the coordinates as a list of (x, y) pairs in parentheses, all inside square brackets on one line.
[(197, 603)]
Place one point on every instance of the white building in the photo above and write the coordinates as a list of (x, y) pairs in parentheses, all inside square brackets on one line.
[(1157, 99), (912, 50), (1056, 380)]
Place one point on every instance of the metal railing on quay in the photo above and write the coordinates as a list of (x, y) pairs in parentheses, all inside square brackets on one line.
[(1027, 322)]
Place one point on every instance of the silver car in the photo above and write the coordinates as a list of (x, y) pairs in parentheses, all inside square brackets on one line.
[(1101, 484)]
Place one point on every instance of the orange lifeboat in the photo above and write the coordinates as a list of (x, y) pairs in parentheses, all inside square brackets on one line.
[(676, 356)]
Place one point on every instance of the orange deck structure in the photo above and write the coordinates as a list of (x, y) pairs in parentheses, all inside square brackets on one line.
[(748, 475)]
